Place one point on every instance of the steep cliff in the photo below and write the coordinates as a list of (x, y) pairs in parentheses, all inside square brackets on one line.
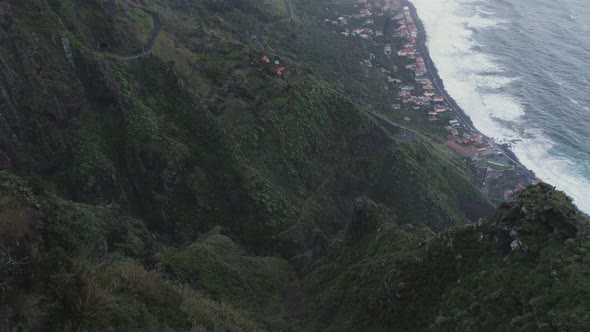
[(158, 173)]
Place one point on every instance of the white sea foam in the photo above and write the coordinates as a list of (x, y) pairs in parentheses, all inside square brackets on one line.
[(466, 71), (483, 10), (480, 22), (494, 81), (539, 154), (477, 82), (502, 107)]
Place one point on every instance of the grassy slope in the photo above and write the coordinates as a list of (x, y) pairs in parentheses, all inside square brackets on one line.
[(144, 134), (467, 278), (76, 266), (215, 171)]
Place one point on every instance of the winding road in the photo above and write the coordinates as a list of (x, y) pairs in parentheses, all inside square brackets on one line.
[(396, 131), (147, 49)]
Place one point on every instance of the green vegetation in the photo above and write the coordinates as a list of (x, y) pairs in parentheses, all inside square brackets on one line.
[(195, 189), (525, 268)]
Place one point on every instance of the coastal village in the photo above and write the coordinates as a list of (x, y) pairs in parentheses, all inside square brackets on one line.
[(417, 92)]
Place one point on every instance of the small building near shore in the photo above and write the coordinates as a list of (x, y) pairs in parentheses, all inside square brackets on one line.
[(467, 152), (439, 108)]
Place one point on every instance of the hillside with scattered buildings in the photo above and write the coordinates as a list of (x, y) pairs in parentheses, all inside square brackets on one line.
[(227, 165)]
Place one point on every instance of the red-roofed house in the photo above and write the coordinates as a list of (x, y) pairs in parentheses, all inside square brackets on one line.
[(476, 138), (439, 108), (465, 152), (406, 52)]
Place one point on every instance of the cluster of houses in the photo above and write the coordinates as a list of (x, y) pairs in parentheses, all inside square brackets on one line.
[(379, 7), (366, 11), (469, 145), (363, 32), (419, 101), (418, 94), (279, 69), (427, 97), (417, 91), (484, 155), (407, 29)]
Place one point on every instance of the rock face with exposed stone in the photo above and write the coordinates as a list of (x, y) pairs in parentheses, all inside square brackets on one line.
[(68, 50), (368, 217), (540, 208)]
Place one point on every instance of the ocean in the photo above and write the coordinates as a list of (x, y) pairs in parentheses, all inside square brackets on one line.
[(520, 70)]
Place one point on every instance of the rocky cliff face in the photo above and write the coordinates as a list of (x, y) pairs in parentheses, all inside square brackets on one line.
[(540, 207), (369, 217)]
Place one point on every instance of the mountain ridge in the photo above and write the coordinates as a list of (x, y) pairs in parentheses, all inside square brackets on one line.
[(194, 188)]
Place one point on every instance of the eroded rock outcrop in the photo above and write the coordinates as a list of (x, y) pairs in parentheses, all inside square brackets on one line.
[(368, 218), (537, 210)]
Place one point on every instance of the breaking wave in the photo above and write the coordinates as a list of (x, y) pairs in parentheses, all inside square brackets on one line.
[(506, 103)]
